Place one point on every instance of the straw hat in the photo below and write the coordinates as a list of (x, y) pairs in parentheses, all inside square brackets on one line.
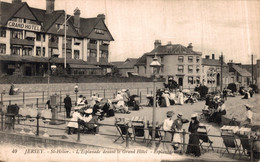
[(248, 106), (88, 111), (170, 113)]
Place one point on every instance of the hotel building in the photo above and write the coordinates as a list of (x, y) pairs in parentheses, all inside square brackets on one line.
[(32, 39)]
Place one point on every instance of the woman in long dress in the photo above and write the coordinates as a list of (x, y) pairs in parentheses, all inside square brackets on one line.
[(193, 146), (168, 133), (181, 99)]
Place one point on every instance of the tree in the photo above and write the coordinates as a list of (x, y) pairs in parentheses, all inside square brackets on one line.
[(232, 87)]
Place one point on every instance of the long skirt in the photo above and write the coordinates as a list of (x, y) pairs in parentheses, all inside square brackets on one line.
[(193, 147), (167, 145)]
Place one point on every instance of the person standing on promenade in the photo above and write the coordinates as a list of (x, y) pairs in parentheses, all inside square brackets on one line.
[(168, 133), (68, 105), (193, 146)]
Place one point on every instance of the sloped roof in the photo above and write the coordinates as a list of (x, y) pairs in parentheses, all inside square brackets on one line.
[(141, 60), (212, 62), (242, 72), (173, 49), (8, 10), (127, 64)]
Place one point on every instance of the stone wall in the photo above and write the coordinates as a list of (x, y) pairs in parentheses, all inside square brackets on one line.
[(82, 86)]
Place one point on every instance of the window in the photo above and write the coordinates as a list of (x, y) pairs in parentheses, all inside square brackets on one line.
[(88, 53), (54, 39), (137, 69), (180, 58), (104, 54), (15, 50), (38, 51), (197, 58), (190, 80), (38, 37), (190, 58), (2, 33), (197, 68), (92, 41), (2, 48), (27, 51), (17, 34), (93, 53), (180, 68), (145, 69), (190, 68), (99, 31), (161, 59), (105, 43), (197, 80), (76, 54)]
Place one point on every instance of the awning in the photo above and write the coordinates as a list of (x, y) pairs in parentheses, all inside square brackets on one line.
[(29, 34), (83, 66), (209, 78)]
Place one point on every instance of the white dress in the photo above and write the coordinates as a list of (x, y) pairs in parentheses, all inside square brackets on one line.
[(73, 121), (181, 98)]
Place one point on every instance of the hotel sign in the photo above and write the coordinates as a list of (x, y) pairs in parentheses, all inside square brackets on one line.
[(23, 26)]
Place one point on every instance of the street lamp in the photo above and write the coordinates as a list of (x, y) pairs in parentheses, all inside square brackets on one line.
[(53, 67), (76, 89), (155, 65)]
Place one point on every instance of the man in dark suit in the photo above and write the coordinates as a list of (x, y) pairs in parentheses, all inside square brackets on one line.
[(68, 105)]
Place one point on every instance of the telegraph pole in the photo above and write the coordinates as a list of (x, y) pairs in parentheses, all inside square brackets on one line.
[(221, 71), (252, 63)]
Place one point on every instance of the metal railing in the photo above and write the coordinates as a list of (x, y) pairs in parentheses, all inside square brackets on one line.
[(15, 120)]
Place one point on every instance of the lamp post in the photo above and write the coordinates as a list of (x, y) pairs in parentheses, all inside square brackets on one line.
[(155, 65), (53, 67), (76, 89)]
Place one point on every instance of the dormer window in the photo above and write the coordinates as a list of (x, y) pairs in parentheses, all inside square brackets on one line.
[(99, 31)]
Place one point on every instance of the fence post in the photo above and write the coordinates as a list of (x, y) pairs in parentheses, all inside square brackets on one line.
[(60, 101), (37, 126), (127, 137), (183, 140), (2, 98), (37, 104), (2, 121), (78, 132), (147, 91), (104, 93), (9, 102), (140, 97), (42, 96), (251, 148), (23, 96)]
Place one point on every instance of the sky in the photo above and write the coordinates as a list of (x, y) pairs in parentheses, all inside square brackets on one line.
[(212, 26)]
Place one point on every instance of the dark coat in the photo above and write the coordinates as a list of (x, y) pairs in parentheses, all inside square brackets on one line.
[(67, 102), (193, 147)]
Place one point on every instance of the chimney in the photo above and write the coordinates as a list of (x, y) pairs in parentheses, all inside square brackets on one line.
[(169, 43), (207, 57), (190, 46), (49, 6), (101, 16), (16, 1), (157, 43), (213, 56), (77, 18)]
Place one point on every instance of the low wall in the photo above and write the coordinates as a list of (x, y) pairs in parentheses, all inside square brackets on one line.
[(82, 86), (34, 141)]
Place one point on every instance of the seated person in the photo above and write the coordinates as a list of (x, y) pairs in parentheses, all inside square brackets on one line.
[(221, 110), (90, 121), (73, 124)]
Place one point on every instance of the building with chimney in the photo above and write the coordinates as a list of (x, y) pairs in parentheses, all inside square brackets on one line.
[(29, 37), (126, 68), (211, 73), (178, 62)]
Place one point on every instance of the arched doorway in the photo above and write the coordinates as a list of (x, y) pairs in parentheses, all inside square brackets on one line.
[(218, 79)]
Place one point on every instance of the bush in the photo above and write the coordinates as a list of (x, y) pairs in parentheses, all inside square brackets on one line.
[(232, 87), (254, 87)]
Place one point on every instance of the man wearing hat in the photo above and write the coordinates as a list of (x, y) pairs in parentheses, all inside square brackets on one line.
[(193, 146), (177, 127), (67, 105)]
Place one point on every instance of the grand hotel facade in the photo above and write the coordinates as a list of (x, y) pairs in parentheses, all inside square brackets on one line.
[(32, 39)]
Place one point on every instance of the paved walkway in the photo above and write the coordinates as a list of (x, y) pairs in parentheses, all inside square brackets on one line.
[(107, 141)]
